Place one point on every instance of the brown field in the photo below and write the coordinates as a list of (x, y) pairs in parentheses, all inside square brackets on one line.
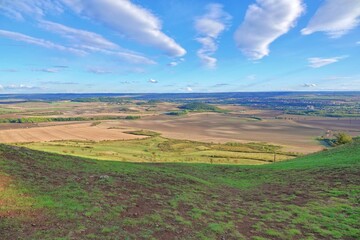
[(295, 133), (213, 127), (75, 131)]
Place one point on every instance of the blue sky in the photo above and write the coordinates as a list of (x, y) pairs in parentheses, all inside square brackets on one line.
[(179, 46)]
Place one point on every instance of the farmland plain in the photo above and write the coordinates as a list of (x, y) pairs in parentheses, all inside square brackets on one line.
[(243, 124), (189, 168)]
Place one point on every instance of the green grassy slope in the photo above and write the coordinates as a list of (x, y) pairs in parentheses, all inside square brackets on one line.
[(50, 196), (159, 149)]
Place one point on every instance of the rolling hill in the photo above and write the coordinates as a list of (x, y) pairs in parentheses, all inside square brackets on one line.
[(52, 196)]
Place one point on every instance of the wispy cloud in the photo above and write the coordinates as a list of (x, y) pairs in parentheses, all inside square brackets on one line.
[(130, 57), (61, 66), (335, 18), (220, 85), (19, 87), (176, 62), (39, 42), (19, 10), (264, 22), (130, 20), (46, 70), (317, 62), (84, 39), (309, 85), (151, 80), (209, 27), (58, 83), (93, 42), (9, 70), (124, 17), (173, 64), (98, 70)]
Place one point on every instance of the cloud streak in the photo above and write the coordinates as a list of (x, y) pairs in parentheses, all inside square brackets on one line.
[(97, 70), (46, 70), (19, 87), (59, 83), (39, 42), (93, 42), (80, 37), (317, 62), (209, 27), (20, 10), (335, 18), (309, 85), (11, 70), (264, 22), (151, 80), (130, 20), (126, 18)]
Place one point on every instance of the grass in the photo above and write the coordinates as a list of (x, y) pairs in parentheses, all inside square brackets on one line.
[(159, 149), (8, 110), (51, 196), (144, 133)]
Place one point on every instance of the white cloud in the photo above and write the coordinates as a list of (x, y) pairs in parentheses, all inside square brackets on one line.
[(130, 20), (98, 70), (19, 87), (39, 42), (19, 10), (151, 80), (335, 18), (58, 83), (125, 17), (189, 89), (129, 57), (264, 22), (317, 62), (47, 70), (93, 42), (309, 85), (173, 64), (176, 62), (78, 36), (209, 27)]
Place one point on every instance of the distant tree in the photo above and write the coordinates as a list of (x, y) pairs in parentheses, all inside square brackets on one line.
[(342, 138)]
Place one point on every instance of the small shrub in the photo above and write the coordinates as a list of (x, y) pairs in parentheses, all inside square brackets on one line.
[(132, 117), (342, 138)]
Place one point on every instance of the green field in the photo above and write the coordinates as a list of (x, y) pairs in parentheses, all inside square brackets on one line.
[(159, 149), (51, 196)]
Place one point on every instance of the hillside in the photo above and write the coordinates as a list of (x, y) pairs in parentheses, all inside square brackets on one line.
[(51, 196)]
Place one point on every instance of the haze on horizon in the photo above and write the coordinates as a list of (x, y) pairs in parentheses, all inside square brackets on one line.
[(125, 46)]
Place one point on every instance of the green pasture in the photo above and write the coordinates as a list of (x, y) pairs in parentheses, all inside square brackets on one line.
[(160, 149)]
